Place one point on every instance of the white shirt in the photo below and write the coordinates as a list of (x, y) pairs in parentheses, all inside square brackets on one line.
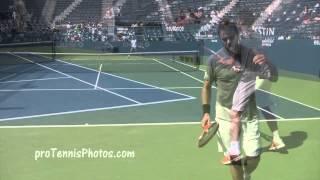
[(133, 43)]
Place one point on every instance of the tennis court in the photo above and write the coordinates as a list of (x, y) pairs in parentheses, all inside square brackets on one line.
[(61, 104), (36, 89), (112, 89), (59, 88)]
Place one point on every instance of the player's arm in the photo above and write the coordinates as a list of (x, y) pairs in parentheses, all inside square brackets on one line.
[(206, 92), (206, 98), (266, 68)]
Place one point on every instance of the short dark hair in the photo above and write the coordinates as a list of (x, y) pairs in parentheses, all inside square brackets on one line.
[(227, 25)]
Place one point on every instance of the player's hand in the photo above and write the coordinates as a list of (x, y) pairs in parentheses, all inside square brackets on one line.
[(236, 68), (206, 122), (259, 59)]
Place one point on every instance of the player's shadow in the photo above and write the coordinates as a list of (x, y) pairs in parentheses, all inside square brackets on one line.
[(294, 140)]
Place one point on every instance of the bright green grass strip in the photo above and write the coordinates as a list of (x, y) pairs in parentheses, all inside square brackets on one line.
[(300, 161), (297, 75), (163, 152), (160, 153)]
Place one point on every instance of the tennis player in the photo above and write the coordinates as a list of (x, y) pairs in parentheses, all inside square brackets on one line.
[(241, 97), (265, 102), (252, 40), (245, 89), (226, 78), (133, 43)]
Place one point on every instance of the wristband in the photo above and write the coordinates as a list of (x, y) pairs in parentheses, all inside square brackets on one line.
[(206, 108)]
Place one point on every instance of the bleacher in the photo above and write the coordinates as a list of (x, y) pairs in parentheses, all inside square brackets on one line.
[(153, 33), (152, 15), (86, 11), (255, 6), (183, 36), (191, 6), (291, 18), (61, 5), (5, 5), (34, 7), (133, 11)]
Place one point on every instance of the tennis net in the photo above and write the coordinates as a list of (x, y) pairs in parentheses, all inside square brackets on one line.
[(10, 54)]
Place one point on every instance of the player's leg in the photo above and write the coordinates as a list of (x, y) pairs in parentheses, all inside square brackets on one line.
[(234, 150), (251, 164), (236, 172), (244, 169), (277, 142), (223, 134), (245, 88), (251, 146), (130, 52)]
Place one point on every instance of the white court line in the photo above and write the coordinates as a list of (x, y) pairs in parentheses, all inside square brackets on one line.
[(95, 109), (182, 87), (99, 125), (291, 119), (105, 63), (26, 80), (288, 99), (140, 124), (90, 89), (30, 90), (178, 71), (145, 84), (119, 95), (116, 54), (185, 64), (7, 77), (273, 114)]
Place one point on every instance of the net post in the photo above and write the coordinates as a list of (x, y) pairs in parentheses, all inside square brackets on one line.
[(53, 46), (200, 53), (98, 76)]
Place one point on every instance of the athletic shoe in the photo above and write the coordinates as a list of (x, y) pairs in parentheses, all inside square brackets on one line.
[(226, 160), (236, 159), (276, 144)]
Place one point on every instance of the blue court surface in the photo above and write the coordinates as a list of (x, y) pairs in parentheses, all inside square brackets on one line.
[(29, 89), (34, 89)]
